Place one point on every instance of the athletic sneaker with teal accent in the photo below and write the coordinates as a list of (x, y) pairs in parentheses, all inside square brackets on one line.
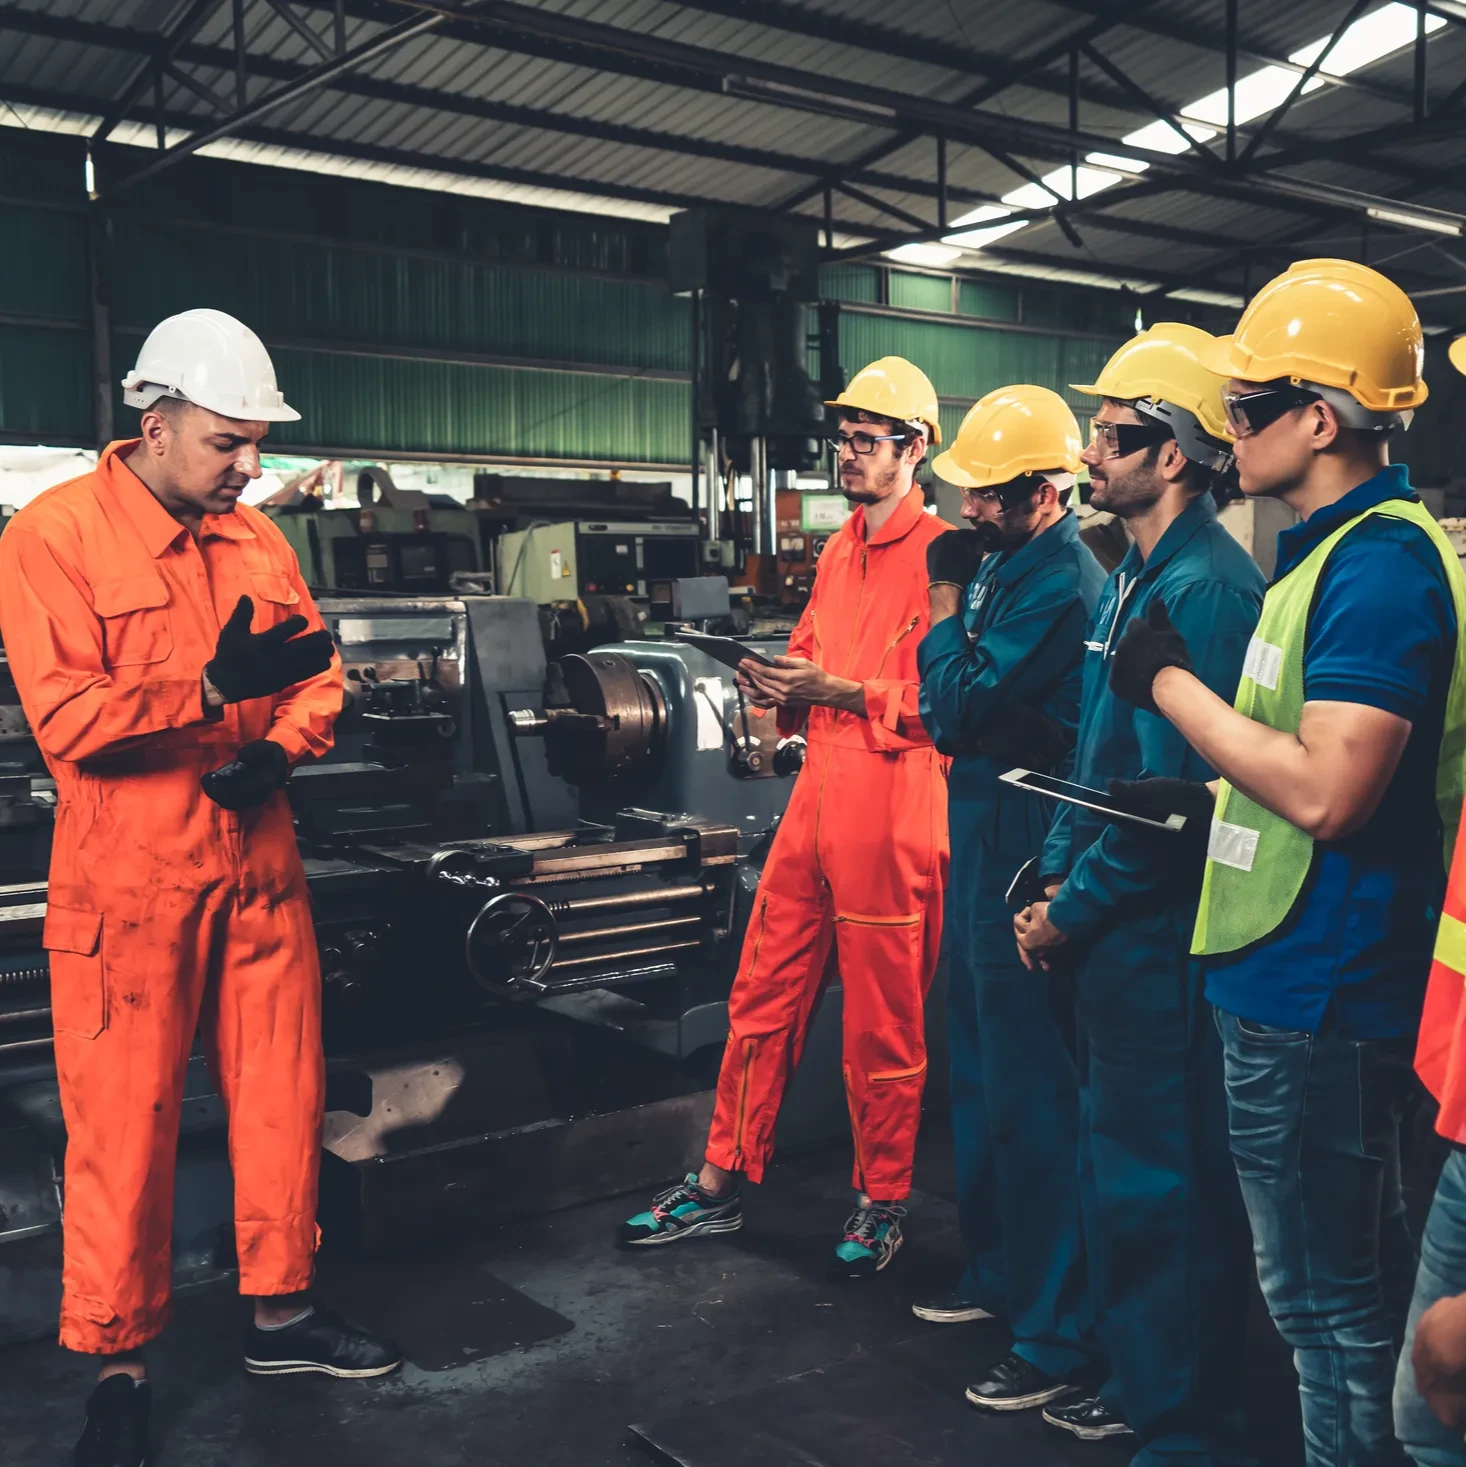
[(683, 1211), (872, 1236)]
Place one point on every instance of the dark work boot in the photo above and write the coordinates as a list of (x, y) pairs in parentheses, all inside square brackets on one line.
[(323, 1344), (116, 1430)]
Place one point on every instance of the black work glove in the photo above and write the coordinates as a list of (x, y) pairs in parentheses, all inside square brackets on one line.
[(1162, 797), (954, 556), (250, 664), (1144, 650), (1018, 734), (254, 774)]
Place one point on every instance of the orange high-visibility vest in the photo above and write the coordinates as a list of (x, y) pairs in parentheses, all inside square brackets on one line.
[(1440, 1053)]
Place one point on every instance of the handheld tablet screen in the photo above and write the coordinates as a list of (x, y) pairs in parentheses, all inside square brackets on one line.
[(1091, 799), (726, 650)]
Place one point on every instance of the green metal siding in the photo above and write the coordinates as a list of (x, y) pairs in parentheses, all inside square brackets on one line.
[(913, 292), (45, 392), (993, 302), (437, 407), (43, 263), (850, 283), (294, 290), (967, 361)]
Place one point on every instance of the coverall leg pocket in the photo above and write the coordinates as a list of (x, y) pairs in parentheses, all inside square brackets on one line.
[(73, 938)]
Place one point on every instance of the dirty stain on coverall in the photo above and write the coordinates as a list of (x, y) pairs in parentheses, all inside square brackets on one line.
[(166, 914), (859, 860)]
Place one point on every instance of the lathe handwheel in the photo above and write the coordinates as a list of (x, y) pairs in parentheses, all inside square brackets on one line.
[(519, 935)]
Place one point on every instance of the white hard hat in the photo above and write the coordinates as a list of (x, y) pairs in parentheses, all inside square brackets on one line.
[(210, 359)]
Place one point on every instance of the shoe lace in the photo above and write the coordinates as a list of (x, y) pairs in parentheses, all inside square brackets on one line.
[(864, 1224), (665, 1203)]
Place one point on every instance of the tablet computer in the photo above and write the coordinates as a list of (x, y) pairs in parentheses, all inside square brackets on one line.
[(727, 650), (1091, 799)]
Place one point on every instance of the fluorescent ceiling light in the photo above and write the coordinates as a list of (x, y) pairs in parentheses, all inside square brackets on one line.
[(1208, 298), (975, 239), (1408, 219), (983, 214), (1161, 137), (1369, 39), (924, 254)]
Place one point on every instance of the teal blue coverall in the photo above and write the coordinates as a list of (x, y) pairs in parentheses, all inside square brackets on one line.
[(1165, 1233), (1015, 1114)]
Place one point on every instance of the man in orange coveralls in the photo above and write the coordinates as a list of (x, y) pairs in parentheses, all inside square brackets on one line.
[(151, 623), (860, 858)]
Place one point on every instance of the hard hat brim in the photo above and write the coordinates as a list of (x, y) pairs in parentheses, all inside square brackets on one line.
[(945, 468), (1216, 357), (1089, 389)]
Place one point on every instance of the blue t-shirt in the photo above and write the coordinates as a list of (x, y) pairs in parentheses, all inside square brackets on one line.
[(1355, 951)]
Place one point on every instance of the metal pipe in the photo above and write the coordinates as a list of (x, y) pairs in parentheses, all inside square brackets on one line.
[(603, 934), (717, 487), (21, 1016), (655, 897), (15, 1045), (591, 959)]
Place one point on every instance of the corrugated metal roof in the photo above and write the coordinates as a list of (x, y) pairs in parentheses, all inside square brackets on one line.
[(536, 115)]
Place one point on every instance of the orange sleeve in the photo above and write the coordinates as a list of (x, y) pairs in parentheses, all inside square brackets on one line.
[(53, 640), (304, 716), (895, 719)]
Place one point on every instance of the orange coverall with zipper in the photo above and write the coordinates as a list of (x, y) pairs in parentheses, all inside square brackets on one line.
[(166, 915), (859, 861)]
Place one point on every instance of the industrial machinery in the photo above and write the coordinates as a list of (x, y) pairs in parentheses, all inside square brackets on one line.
[(754, 279), (576, 558), (530, 882)]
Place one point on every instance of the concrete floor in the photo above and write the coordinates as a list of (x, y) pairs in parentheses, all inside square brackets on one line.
[(643, 1336)]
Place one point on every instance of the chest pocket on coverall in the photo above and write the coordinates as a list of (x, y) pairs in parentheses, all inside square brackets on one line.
[(135, 625), (275, 598)]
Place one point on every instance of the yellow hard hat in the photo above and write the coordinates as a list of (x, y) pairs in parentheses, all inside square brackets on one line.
[(1015, 430), (893, 388), (1457, 353), (1334, 323), (1164, 364)]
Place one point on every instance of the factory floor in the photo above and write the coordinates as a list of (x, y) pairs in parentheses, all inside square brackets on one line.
[(541, 1344)]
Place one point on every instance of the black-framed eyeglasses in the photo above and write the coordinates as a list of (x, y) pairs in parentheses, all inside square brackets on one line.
[(1122, 439), (863, 443), (1260, 407)]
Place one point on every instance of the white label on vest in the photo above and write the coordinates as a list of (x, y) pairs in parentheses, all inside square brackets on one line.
[(1263, 664), (1232, 845)]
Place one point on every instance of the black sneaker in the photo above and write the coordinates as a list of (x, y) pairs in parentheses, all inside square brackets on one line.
[(950, 1308), (872, 1238), (116, 1431), (1015, 1385), (322, 1343), (1090, 1419), (682, 1211)]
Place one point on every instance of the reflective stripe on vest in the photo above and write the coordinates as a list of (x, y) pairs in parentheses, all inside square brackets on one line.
[(1257, 862)]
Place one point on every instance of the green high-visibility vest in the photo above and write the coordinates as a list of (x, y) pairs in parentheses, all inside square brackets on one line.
[(1257, 862)]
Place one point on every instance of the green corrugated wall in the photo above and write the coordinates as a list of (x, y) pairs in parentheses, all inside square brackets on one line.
[(399, 319)]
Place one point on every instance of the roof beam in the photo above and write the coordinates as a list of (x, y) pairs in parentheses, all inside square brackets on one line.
[(355, 84), (1212, 38), (895, 110), (163, 50), (309, 81)]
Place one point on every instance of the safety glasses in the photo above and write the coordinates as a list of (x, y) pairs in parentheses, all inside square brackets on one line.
[(1259, 407), (1120, 440), (1006, 496), (863, 443)]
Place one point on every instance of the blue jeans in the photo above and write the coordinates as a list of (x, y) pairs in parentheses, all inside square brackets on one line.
[(1442, 1274), (1315, 1134)]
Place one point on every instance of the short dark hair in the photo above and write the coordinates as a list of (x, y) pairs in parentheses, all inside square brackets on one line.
[(889, 425)]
